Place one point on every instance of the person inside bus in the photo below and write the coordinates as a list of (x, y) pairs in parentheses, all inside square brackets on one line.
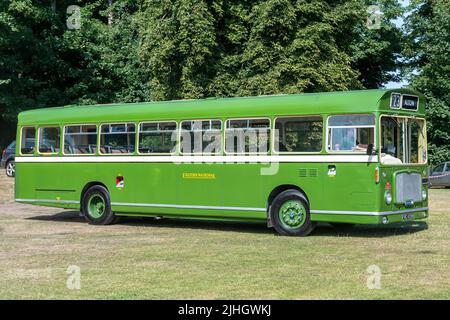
[(388, 152), (349, 142), (389, 146)]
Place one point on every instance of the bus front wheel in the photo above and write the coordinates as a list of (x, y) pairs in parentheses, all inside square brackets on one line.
[(96, 206), (289, 213)]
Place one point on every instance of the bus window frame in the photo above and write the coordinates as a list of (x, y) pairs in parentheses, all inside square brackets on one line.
[(387, 115), (327, 132), (158, 153), (39, 140), (35, 140), (81, 154), (222, 147), (297, 152), (268, 152), (116, 154)]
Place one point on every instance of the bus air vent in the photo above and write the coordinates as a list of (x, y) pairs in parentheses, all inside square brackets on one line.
[(304, 172), (313, 172)]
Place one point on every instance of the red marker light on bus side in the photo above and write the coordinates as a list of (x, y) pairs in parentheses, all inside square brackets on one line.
[(388, 186)]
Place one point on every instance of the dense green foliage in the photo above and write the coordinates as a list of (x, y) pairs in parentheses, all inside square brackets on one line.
[(428, 66), (200, 48), (136, 50)]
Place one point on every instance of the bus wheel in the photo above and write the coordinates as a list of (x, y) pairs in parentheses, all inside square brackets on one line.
[(96, 206), (290, 215)]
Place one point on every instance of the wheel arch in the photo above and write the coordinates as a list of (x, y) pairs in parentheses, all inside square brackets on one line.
[(276, 191), (89, 185)]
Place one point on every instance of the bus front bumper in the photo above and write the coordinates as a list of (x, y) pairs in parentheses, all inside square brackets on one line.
[(356, 217)]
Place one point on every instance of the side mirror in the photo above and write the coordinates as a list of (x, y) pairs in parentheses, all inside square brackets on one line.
[(370, 149)]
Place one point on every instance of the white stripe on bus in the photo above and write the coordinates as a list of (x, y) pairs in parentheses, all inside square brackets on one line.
[(48, 201), (201, 159), (127, 204)]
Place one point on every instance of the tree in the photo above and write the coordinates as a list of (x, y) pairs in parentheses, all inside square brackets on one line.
[(427, 49), (135, 50), (44, 64), (195, 49), (30, 70)]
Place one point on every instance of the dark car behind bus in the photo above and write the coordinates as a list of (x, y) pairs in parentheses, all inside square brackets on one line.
[(7, 160)]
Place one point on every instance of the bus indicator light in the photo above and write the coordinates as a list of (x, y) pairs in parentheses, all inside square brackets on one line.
[(388, 186), (377, 175)]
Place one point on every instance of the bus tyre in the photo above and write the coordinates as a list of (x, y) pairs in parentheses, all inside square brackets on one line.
[(96, 206), (289, 214)]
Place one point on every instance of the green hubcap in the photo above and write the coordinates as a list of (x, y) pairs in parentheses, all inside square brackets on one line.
[(96, 206), (292, 214)]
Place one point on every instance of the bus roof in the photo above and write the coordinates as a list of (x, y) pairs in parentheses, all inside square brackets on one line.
[(359, 101)]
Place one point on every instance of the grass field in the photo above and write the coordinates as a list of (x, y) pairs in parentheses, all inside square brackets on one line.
[(167, 259)]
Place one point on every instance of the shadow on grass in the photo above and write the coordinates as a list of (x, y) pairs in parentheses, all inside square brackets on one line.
[(323, 229), (176, 223), (373, 231), (63, 216)]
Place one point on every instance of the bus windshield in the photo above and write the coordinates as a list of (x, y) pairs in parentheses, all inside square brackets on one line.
[(403, 140)]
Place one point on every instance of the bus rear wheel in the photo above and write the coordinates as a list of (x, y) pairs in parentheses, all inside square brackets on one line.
[(289, 213), (96, 206)]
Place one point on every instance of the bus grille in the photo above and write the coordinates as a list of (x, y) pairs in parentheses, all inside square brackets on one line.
[(408, 186)]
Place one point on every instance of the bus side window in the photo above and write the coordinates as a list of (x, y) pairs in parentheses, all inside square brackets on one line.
[(201, 137), (28, 141), (80, 139), (247, 136), (351, 133), (117, 138), (49, 140), (158, 137), (298, 134)]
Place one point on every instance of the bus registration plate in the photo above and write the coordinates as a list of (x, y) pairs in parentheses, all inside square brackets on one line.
[(408, 216)]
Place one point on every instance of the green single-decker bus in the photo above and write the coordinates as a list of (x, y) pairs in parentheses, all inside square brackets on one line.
[(353, 157)]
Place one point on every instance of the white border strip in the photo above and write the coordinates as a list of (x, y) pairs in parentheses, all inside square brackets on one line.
[(154, 205), (200, 159), (48, 201), (125, 204)]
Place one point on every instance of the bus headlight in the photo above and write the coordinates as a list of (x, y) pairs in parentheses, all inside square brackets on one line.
[(388, 197), (424, 194)]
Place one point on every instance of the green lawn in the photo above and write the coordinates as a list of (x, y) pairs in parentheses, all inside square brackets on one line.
[(167, 259)]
